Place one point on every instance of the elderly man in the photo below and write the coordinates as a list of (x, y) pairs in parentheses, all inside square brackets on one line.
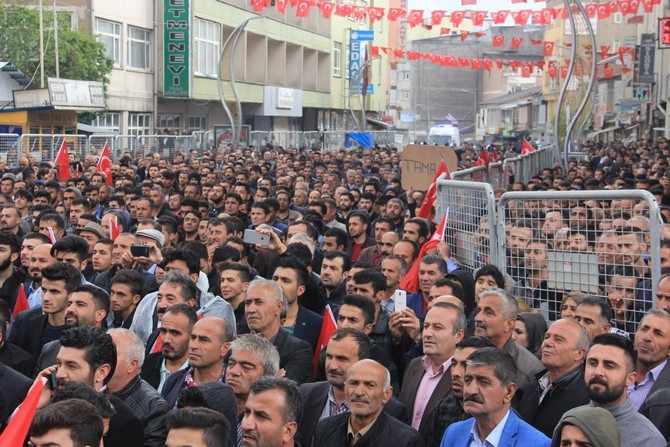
[(367, 386), (487, 397), (263, 310), (126, 384)]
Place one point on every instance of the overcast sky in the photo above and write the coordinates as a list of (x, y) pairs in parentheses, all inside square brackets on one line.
[(488, 5)]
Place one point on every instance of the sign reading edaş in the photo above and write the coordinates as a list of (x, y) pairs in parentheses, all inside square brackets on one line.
[(419, 164)]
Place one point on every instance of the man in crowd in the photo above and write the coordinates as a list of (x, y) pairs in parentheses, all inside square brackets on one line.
[(197, 427), (334, 272), (263, 313), (487, 397), (72, 422), (367, 388), (251, 357), (609, 371)]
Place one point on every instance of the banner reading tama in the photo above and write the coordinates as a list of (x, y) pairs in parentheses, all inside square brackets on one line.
[(419, 163)]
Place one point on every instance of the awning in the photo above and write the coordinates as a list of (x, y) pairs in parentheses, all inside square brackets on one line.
[(598, 132), (381, 124), (93, 129)]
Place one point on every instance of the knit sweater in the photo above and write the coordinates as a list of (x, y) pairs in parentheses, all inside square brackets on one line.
[(636, 430)]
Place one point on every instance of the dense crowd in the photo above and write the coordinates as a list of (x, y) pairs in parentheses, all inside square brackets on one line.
[(182, 302)]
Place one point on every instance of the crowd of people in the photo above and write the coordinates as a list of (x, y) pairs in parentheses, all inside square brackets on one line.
[(182, 303)]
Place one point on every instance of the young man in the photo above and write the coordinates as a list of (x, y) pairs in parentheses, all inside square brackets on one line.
[(72, 422), (126, 292), (197, 427)]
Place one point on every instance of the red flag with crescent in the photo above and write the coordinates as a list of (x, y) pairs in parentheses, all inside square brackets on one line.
[(105, 165)]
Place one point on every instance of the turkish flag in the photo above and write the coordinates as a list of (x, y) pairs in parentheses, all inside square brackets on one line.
[(16, 431), (516, 43), (105, 165), (444, 31), (499, 17), (114, 229), (440, 232), (498, 40), (436, 17), (521, 17), (21, 302), (648, 6), (591, 10), (634, 6), (415, 17), (603, 11), (258, 5), (457, 18), (463, 61), (548, 15), (328, 328), (526, 70), (519, 1), (157, 346), (604, 51), (374, 51), (359, 12), (302, 10), (451, 61), (494, 156), (281, 6), (483, 159), (375, 14), (499, 64), (431, 194), (468, 2), (612, 7), (537, 17), (564, 71), (478, 17), (395, 13), (398, 53), (479, 35), (552, 70), (487, 65), (63, 162), (548, 49), (326, 9), (464, 35), (526, 148), (476, 64), (343, 10), (624, 7), (536, 42)]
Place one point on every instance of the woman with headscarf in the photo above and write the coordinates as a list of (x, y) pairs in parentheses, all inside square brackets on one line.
[(529, 331)]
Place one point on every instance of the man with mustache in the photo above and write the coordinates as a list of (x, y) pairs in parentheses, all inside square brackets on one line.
[(495, 318), (39, 257), (609, 371), (450, 408), (487, 396), (368, 388)]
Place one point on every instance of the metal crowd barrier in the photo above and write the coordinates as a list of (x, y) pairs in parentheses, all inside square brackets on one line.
[(598, 243), (470, 222)]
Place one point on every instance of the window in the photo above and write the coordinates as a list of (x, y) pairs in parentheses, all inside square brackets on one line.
[(109, 121), (139, 124), (405, 75), (109, 34), (139, 43), (207, 47), (405, 95), (197, 123), (553, 84), (337, 59), (169, 122)]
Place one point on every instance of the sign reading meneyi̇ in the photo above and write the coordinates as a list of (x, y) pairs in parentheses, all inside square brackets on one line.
[(176, 38)]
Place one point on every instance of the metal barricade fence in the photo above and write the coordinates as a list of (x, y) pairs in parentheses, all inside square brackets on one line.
[(9, 147), (470, 231), (156, 144), (567, 244), (259, 138), (333, 140), (39, 144), (496, 175), (96, 143), (183, 144), (123, 144), (474, 174), (76, 144)]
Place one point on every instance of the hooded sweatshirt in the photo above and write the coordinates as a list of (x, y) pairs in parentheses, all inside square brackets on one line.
[(597, 424)]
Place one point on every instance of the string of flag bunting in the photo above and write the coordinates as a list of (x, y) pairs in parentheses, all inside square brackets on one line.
[(415, 17), (527, 68)]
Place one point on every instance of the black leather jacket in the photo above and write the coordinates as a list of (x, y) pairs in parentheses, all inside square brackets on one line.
[(149, 407)]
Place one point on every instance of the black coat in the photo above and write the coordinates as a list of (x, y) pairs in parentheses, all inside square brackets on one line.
[(150, 408), (386, 431), (13, 389), (315, 397), (125, 429), (295, 356), (566, 393)]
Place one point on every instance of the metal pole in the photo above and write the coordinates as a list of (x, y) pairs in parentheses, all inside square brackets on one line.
[(41, 47), (564, 88), (56, 41), (580, 109)]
